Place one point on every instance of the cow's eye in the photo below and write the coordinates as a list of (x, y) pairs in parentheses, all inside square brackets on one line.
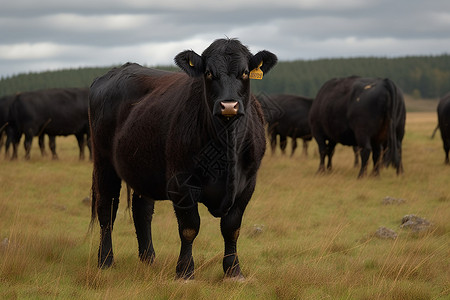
[(245, 75), (208, 75)]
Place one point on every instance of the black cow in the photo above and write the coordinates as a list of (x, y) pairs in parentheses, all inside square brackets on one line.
[(291, 120), (365, 112), (54, 112), (188, 138), (443, 112), (5, 103)]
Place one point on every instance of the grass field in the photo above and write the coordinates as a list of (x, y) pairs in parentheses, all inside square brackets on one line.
[(304, 236)]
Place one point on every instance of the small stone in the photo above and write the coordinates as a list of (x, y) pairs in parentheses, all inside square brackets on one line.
[(86, 201), (415, 223), (385, 233), (391, 200), (257, 230), (5, 242)]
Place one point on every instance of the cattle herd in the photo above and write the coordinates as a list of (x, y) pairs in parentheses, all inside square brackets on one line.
[(198, 137), (52, 112)]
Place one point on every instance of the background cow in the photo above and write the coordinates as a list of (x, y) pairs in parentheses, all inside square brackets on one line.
[(365, 112), (188, 138), (290, 119), (443, 112), (5, 103), (54, 112)]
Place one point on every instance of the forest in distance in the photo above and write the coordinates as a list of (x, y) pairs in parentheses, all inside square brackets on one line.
[(425, 77)]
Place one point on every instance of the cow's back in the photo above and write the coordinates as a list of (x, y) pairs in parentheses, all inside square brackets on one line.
[(132, 110), (52, 111), (294, 120)]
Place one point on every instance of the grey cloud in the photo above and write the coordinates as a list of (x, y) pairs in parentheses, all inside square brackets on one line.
[(111, 31)]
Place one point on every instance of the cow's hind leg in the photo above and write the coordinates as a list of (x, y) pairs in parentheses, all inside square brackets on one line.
[(356, 151), (188, 227), (106, 190), (305, 147), (283, 143), (27, 145), (81, 143), (294, 145), (143, 208), (42, 145), (273, 141), (330, 152), (365, 153), (321, 143), (376, 157), (52, 146), (446, 150)]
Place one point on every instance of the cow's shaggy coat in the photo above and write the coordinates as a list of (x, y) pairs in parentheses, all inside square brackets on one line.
[(193, 137)]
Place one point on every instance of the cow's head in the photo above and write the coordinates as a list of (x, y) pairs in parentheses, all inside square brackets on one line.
[(225, 67)]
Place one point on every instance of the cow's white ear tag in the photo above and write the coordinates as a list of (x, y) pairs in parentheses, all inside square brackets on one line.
[(256, 73)]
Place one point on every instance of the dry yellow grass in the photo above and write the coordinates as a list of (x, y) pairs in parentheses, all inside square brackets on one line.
[(304, 236)]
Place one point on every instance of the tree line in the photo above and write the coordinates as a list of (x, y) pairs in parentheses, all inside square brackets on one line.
[(419, 76)]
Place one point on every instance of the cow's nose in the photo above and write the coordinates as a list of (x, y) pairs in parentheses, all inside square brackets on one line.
[(229, 108)]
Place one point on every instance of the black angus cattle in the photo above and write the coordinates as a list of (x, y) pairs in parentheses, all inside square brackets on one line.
[(5, 103), (289, 120), (54, 112), (365, 112), (191, 138), (443, 112)]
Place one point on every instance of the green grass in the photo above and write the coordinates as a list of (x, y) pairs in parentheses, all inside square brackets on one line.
[(304, 236)]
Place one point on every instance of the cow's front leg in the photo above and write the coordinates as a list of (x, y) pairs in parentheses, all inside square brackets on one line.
[(143, 208), (188, 227), (230, 226)]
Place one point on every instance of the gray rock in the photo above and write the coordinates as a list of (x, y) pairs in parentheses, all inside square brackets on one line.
[(415, 223), (386, 233), (388, 200)]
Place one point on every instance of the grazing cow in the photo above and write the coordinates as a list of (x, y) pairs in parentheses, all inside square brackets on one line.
[(443, 112), (5, 103), (54, 112), (292, 121), (188, 138), (365, 112)]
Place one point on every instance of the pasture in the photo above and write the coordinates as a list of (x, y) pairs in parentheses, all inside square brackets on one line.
[(304, 236)]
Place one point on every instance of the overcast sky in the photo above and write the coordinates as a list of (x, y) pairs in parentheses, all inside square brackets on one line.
[(57, 34)]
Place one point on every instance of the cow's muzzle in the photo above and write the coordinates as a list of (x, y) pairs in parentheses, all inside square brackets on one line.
[(229, 108)]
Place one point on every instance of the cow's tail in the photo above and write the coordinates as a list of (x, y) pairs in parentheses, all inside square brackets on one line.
[(93, 202), (392, 154), (94, 193), (129, 190), (44, 126), (434, 132)]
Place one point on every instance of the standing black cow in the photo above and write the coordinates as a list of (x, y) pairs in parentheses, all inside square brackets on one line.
[(365, 112), (5, 103), (443, 112), (190, 139), (289, 120), (53, 112)]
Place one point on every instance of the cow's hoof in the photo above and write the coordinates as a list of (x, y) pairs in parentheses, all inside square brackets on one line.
[(185, 277), (106, 264), (235, 278)]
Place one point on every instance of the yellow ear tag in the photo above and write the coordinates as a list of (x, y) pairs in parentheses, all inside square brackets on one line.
[(190, 63), (256, 73)]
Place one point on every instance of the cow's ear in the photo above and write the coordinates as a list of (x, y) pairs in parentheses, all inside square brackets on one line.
[(265, 60), (190, 62)]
